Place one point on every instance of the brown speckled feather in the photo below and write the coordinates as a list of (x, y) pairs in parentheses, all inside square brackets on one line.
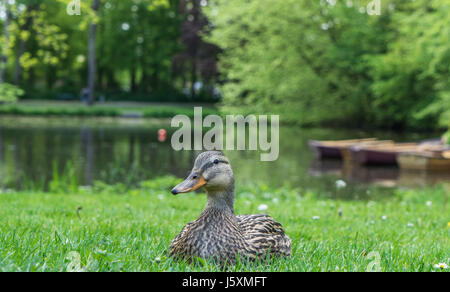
[(221, 237), (265, 235)]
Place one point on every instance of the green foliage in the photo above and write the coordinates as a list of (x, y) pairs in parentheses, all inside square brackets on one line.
[(136, 43), (66, 182), (411, 79), (77, 110), (107, 228), (170, 111), (147, 32), (331, 61), (446, 138), (260, 60), (309, 61), (9, 93)]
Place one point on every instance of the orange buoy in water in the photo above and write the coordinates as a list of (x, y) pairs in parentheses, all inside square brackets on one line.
[(162, 135)]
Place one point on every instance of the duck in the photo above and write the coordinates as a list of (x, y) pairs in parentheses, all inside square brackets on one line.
[(218, 235)]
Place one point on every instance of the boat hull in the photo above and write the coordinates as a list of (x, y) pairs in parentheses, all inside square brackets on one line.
[(373, 157), (321, 151), (413, 161), (332, 149)]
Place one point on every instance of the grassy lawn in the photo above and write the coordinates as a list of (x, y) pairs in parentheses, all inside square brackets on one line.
[(109, 109), (130, 230)]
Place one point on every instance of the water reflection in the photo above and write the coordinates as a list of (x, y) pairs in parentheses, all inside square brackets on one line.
[(32, 151), (387, 176)]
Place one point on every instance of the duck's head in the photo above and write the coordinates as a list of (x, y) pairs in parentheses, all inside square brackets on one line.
[(212, 171)]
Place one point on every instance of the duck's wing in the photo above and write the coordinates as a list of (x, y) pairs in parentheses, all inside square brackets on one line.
[(265, 235), (177, 246)]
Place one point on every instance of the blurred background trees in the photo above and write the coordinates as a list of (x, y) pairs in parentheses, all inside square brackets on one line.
[(330, 61), (310, 61)]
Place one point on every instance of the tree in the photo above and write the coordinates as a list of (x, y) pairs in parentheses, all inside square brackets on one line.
[(274, 58), (329, 61), (411, 80), (199, 57), (4, 58), (147, 32), (92, 61)]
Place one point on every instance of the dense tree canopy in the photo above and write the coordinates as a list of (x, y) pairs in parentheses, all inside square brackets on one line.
[(310, 61), (137, 43), (330, 60)]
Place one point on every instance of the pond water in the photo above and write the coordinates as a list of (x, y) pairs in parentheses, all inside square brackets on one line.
[(33, 150)]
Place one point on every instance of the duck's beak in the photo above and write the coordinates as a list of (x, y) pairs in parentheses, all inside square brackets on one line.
[(190, 184)]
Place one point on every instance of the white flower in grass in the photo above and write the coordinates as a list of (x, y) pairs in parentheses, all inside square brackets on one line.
[(410, 225), (340, 184), (275, 200), (384, 217), (441, 266), (429, 203), (263, 207), (316, 217)]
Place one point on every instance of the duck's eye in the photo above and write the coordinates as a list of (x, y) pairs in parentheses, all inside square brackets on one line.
[(194, 177), (216, 161)]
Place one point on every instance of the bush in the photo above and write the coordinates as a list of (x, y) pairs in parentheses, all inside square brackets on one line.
[(9, 93), (446, 138)]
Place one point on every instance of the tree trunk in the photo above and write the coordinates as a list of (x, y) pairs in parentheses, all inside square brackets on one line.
[(91, 56), (143, 84), (22, 46), (155, 78), (18, 66), (196, 14), (193, 76), (133, 77), (4, 58), (101, 67), (111, 83)]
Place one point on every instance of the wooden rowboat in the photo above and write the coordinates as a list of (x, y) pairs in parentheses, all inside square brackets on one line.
[(332, 149), (426, 160), (386, 154), (346, 152)]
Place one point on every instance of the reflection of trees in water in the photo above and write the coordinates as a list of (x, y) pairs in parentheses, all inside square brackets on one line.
[(2, 160), (389, 176), (144, 160), (422, 178), (16, 159), (1, 148), (131, 151), (87, 144), (134, 154), (50, 153), (28, 157)]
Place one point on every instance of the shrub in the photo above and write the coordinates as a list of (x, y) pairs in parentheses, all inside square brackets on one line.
[(446, 138), (9, 93)]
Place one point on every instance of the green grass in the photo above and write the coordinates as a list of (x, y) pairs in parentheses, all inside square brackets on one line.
[(130, 230), (77, 109)]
